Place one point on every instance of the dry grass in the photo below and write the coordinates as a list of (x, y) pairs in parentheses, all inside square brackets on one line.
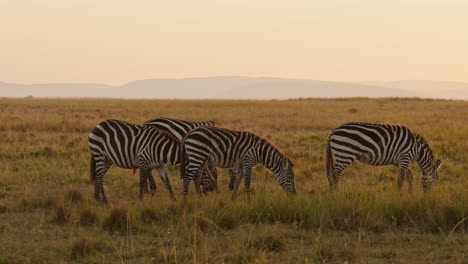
[(47, 211)]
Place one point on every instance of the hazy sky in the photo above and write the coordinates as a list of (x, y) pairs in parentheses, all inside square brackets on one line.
[(115, 41)]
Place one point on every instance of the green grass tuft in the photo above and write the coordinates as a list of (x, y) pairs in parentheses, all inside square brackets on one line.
[(74, 195), (85, 247), (62, 215), (119, 219), (3, 208), (88, 216)]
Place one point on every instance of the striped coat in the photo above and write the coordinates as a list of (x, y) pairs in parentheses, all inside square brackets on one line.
[(378, 145), (240, 150), (179, 128), (130, 146)]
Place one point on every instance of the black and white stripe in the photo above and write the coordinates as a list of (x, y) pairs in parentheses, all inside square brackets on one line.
[(179, 128), (226, 148), (379, 144), (130, 146)]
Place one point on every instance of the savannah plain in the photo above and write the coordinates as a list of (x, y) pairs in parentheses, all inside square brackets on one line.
[(48, 214)]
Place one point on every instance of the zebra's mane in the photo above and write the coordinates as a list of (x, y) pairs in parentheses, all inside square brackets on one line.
[(164, 132), (422, 141), (207, 122), (273, 145)]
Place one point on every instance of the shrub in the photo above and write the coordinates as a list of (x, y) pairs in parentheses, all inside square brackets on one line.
[(3, 208), (227, 221), (82, 247), (38, 202), (271, 238), (87, 217), (268, 243), (326, 252), (149, 215), (74, 195), (62, 216), (118, 220)]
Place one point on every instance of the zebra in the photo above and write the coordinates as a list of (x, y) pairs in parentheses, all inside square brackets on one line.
[(378, 145), (226, 148), (179, 128), (130, 146)]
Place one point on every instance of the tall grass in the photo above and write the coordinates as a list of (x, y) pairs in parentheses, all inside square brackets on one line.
[(47, 211)]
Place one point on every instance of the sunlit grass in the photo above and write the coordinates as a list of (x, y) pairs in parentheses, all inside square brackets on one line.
[(47, 211)]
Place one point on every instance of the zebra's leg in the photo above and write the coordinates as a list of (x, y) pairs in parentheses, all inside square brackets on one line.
[(162, 170), (102, 166), (187, 178), (402, 168), (201, 177), (213, 176), (206, 181), (152, 184), (144, 171), (232, 178), (237, 179), (209, 178), (340, 166), (247, 173), (331, 178), (197, 181), (190, 174), (409, 175), (242, 170)]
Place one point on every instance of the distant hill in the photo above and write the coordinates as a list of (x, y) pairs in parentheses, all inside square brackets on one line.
[(234, 87), (429, 89), (273, 88)]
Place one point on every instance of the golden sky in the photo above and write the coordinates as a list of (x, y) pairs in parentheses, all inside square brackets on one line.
[(115, 41)]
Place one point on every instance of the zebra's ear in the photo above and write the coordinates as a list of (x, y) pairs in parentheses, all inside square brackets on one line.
[(438, 163)]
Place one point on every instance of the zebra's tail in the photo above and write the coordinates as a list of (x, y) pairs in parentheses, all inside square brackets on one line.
[(182, 159), (329, 160), (92, 166)]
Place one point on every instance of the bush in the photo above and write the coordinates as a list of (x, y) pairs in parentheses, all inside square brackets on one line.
[(82, 247), (3, 208), (74, 196), (149, 215), (62, 216), (87, 217), (270, 238), (119, 219), (268, 243)]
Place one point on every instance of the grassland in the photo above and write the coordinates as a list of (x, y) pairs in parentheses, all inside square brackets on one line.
[(47, 214)]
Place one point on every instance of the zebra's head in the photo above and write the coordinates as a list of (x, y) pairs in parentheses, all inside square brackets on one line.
[(428, 164), (430, 176), (286, 176)]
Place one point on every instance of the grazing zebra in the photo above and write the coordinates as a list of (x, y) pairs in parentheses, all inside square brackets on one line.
[(378, 145), (130, 146), (226, 148), (179, 128)]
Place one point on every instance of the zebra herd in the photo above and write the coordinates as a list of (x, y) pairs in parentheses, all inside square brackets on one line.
[(199, 147)]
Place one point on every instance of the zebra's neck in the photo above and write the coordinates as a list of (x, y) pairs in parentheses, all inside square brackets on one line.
[(165, 149), (269, 155), (424, 156)]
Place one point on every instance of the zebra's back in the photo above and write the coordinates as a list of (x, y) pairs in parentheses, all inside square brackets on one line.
[(375, 144), (224, 146), (178, 128), (119, 141)]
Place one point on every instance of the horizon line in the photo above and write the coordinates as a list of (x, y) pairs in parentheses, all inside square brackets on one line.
[(230, 76)]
